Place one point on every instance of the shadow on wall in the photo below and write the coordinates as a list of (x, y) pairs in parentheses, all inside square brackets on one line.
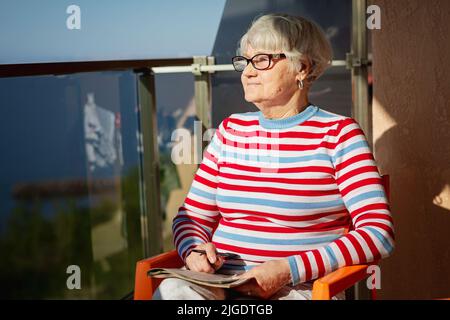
[(412, 113), (419, 203)]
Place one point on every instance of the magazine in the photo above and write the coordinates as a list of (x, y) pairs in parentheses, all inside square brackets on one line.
[(202, 278)]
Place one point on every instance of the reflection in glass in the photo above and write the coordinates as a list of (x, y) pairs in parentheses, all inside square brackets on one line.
[(70, 185), (174, 111)]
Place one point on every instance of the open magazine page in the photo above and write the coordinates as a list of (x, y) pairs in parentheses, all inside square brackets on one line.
[(202, 278)]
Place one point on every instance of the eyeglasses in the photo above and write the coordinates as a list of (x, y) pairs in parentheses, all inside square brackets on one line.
[(260, 61)]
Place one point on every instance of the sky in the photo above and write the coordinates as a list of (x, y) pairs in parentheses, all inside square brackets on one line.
[(36, 31)]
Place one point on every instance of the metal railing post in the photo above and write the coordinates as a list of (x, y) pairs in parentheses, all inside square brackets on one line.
[(151, 217), (358, 61)]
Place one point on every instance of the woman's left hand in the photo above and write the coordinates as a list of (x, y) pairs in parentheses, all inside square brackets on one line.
[(269, 277)]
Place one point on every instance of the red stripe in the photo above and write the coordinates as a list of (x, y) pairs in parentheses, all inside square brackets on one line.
[(200, 205), (276, 135), (220, 136), (344, 123), (201, 221), (341, 222), (319, 262), (248, 218), (278, 180), (205, 182), (326, 226), (304, 193), (243, 226), (309, 169), (309, 123), (255, 252), (189, 225), (278, 147), (295, 218), (207, 169), (307, 265), (318, 124), (379, 225), (352, 160), (355, 172), (345, 252), (373, 248), (187, 235), (359, 184), (371, 215), (208, 155), (359, 250), (348, 135), (241, 122), (370, 207)]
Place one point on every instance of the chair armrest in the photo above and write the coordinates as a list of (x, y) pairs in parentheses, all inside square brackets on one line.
[(337, 281), (144, 286)]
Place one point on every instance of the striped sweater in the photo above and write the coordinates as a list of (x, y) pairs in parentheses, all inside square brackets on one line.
[(305, 188)]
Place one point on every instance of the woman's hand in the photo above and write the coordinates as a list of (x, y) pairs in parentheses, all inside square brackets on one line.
[(269, 277), (200, 262)]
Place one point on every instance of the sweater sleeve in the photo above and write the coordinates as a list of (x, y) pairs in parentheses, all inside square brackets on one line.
[(360, 185), (198, 217)]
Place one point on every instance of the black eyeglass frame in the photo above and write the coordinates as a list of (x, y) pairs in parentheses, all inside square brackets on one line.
[(271, 56)]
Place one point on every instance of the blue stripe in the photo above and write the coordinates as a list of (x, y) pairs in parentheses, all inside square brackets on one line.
[(295, 276), (202, 193), (382, 239), (285, 242), (333, 260), (189, 243), (287, 122), (353, 146), (281, 204), (365, 196), (323, 114), (213, 144), (271, 159)]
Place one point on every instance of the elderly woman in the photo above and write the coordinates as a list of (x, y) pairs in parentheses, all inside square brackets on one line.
[(282, 187)]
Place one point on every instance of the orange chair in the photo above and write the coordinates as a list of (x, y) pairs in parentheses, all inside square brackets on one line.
[(323, 288)]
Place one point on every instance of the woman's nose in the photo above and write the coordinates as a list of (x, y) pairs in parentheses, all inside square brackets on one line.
[(249, 71)]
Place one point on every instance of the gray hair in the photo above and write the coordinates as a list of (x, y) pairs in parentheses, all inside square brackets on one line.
[(298, 38)]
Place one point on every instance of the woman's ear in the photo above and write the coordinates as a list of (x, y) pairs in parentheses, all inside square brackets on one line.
[(303, 72)]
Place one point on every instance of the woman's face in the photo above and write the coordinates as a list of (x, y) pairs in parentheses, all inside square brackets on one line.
[(271, 87)]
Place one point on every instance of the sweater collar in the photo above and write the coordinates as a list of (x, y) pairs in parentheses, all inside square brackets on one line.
[(287, 122)]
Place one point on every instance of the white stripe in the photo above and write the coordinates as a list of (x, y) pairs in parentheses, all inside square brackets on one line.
[(286, 236), (314, 267), (278, 197), (364, 246), (271, 247), (279, 185), (200, 213), (351, 250), (358, 177), (275, 175)]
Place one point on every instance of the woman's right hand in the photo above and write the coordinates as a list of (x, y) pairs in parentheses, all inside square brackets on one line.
[(200, 262)]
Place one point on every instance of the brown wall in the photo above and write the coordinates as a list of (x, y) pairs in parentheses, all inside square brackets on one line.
[(411, 110)]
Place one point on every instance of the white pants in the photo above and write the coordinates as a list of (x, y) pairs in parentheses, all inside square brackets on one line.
[(178, 289)]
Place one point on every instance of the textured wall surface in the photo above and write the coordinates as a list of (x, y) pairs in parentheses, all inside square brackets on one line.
[(411, 109)]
